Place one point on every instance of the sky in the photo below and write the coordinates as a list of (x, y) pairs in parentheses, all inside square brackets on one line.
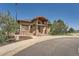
[(69, 13)]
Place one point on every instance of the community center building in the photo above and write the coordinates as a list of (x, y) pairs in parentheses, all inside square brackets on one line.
[(37, 26)]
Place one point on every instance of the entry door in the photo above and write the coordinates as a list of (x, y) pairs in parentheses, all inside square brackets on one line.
[(40, 29)]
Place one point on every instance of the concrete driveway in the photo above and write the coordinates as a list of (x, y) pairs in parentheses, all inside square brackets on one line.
[(54, 47)]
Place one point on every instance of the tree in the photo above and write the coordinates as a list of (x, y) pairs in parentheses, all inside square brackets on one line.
[(7, 25), (71, 30), (58, 27)]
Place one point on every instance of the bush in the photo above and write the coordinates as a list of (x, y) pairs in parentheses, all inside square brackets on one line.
[(71, 30), (2, 38), (58, 27), (8, 25)]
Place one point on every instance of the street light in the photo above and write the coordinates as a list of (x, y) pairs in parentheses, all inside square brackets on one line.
[(16, 10)]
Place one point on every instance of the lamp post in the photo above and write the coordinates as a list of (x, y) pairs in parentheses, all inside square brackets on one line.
[(16, 4), (16, 10)]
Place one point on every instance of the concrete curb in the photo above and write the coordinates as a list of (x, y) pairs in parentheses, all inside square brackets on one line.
[(11, 49)]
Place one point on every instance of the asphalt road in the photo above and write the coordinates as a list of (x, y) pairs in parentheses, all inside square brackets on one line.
[(54, 47)]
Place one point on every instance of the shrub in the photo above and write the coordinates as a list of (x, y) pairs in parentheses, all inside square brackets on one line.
[(71, 30), (58, 27), (2, 37)]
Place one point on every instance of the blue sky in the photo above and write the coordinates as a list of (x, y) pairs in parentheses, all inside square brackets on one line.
[(67, 12)]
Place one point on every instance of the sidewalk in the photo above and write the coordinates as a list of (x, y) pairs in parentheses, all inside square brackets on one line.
[(11, 49)]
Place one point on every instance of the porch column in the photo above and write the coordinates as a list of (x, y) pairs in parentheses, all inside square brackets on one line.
[(29, 28), (20, 29), (44, 30), (37, 27)]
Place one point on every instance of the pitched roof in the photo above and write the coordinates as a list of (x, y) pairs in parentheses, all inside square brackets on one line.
[(24, 21), (40, 18), (36, 18)]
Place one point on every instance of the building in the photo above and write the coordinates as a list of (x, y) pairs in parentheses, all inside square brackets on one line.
[(37, 26)]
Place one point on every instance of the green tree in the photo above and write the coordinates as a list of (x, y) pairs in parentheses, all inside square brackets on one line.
[(71, 30), (58, 27), (7, 25)]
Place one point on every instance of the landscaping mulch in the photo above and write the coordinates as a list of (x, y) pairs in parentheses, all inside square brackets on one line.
[(21, 38)]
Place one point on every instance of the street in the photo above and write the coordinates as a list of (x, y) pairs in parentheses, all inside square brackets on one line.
[(54, 47)]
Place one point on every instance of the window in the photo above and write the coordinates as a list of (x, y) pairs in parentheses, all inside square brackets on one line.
[(25, 27)]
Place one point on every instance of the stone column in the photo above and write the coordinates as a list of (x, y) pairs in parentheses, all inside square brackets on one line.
[(37, 28), (17, 37), (37, 32), (29, 28), (44, 30), (20, 29)]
